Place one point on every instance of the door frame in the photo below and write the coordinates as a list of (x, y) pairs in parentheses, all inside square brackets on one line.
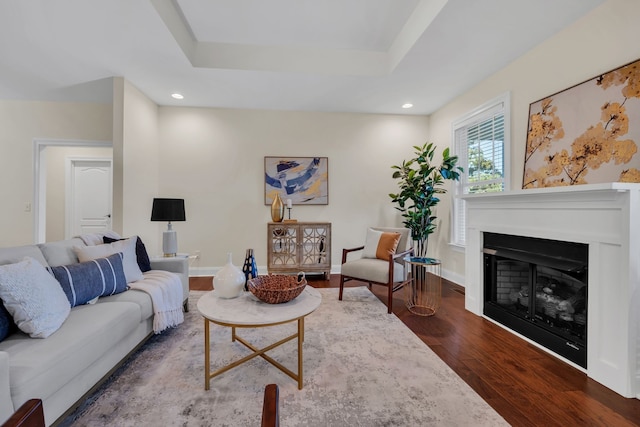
[(69, 193), (40, 178)]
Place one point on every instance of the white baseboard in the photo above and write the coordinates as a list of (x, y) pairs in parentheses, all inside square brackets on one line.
[(456, 278), (212, 271)]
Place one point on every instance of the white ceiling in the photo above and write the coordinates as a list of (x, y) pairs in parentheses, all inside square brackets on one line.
[(315, 55)]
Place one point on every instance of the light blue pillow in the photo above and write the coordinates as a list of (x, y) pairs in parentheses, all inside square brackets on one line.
[(33, 298), (85, 281)]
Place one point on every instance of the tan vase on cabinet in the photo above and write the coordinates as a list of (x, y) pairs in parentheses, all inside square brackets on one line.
[(277, 209)]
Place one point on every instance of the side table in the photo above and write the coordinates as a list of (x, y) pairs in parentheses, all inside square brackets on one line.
[(425, 287), (178, 264), (178, 255)]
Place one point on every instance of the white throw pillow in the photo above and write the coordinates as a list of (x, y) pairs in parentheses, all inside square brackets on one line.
[(33, 297), (129, 261)]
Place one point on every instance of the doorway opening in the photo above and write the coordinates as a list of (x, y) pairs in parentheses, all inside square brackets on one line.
[(88, 195), (45, 159)]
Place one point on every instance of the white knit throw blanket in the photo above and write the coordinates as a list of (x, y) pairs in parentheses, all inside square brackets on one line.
[(165, 290)]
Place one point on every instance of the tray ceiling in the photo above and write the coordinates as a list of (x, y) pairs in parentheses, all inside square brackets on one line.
[(331, 55)]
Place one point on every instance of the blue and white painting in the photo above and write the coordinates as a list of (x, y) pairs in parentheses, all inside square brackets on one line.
[(303, 180)]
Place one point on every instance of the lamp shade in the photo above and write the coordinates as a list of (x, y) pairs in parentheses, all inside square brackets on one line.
[(168, 210)]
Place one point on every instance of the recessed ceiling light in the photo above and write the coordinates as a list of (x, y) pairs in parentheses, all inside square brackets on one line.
[(177, 96), (407, 105)]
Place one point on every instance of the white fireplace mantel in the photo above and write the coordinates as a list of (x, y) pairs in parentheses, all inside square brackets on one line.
[(607, 218)]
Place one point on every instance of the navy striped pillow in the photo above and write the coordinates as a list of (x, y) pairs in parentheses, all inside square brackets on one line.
[(84, 281)]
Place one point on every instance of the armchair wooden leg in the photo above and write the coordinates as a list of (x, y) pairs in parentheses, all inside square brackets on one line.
[(270, 407), (390, 298), (341, 287)]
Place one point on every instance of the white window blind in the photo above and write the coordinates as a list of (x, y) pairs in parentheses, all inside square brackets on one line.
[(480, 142)]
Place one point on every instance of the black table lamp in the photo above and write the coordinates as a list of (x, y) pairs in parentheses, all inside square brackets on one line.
[(168, 210)]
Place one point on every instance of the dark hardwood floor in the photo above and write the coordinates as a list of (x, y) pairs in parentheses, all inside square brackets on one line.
[(527, 386)]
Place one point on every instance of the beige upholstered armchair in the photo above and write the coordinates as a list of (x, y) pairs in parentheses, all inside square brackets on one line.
[(377, 264)]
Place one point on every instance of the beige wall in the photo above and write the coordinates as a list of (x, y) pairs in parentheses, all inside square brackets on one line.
[(118, 152), (131, 123), (20, 123), (140, 155), (135, 162), (603, 40), (214, 159)]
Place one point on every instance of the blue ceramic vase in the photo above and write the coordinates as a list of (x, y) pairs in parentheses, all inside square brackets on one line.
[(250, 269)]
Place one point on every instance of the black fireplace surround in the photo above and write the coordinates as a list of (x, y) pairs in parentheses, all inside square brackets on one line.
[(538, 288)]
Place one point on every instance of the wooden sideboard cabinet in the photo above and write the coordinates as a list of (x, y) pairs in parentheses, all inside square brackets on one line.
[(299, 246)]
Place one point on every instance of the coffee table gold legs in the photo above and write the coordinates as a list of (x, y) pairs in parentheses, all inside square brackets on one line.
[(300, 340), (207, 355), (256, 352)]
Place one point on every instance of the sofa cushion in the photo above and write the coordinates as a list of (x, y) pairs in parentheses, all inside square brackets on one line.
[(84, 281), (61, 252), (33, 297), (372, 269), (41, 367), (127, 247), (142, 257), (141, 298), (17, 254)]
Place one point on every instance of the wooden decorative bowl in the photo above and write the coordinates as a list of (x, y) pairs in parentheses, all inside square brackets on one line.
[(277, 289)]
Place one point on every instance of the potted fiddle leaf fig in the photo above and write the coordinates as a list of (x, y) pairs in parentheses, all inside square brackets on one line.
[(420, 183)]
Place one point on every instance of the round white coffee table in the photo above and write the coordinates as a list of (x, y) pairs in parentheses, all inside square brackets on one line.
[(246, 311)]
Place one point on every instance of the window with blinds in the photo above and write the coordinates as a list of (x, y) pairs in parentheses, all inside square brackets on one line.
[(481, 144)]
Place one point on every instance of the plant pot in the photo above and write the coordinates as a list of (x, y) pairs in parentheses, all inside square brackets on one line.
[(420, 248)]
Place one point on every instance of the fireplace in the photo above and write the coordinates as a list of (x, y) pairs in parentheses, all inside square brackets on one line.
[(538, 288), (601, 220)]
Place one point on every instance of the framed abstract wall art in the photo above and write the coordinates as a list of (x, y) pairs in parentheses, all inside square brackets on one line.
[(304, 180), (586, 134)]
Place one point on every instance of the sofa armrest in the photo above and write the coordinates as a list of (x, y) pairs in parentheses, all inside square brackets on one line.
[(6, 403), (178, 265)]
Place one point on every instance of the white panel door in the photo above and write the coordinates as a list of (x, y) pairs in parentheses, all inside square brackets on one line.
[(89, 197)]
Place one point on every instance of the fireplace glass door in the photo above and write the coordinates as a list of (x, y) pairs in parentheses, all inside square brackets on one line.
[(538, 288)]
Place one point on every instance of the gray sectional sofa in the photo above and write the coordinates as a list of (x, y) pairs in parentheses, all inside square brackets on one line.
[(93, 340)]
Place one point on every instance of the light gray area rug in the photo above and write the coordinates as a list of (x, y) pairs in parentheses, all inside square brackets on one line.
[(362, 367)]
